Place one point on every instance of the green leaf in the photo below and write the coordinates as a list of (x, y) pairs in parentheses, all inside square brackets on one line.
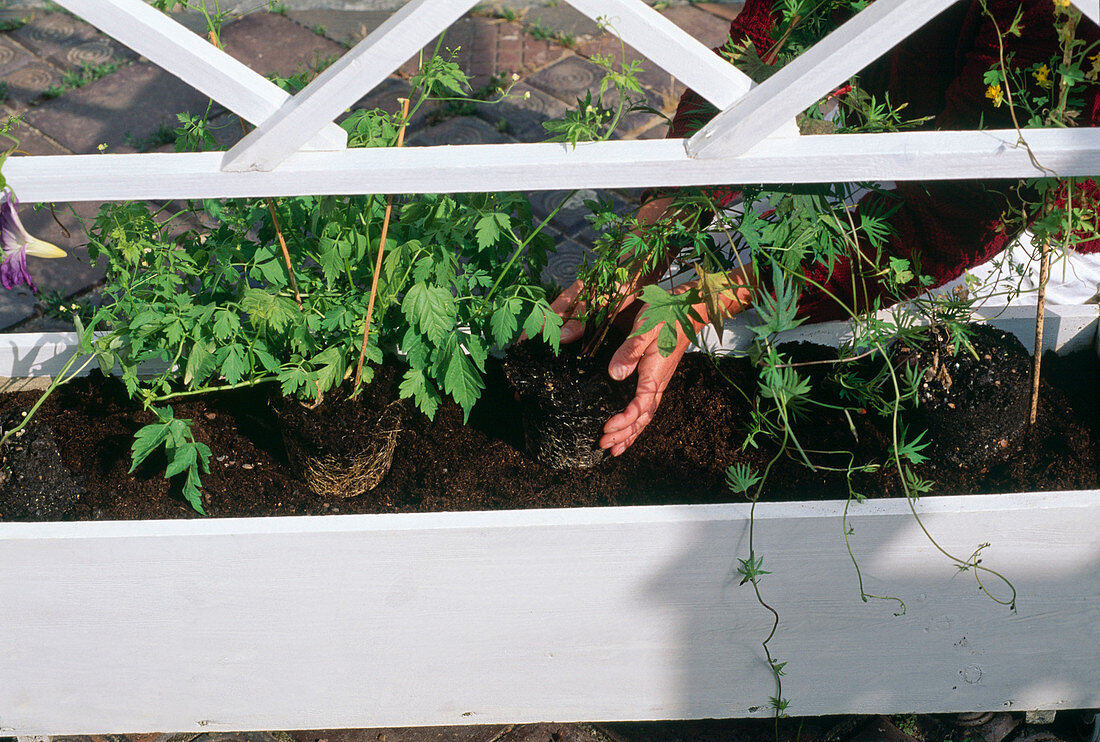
[(330, 365), (668, 311), (487, 231), (225, 324), (432, 309), (291, 379), (200, 364), (234, 365), (185, 457), (461, 379), (416, 385), (545, 322), (504, 322), (147, 440), (270, 311)]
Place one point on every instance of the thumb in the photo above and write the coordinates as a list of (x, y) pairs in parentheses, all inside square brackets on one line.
[(626, 358)]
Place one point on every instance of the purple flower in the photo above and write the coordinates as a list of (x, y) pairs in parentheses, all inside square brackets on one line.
[(17, 244)]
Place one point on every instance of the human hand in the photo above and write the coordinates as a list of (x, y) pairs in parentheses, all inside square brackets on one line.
[(568, 307), (654, 372)]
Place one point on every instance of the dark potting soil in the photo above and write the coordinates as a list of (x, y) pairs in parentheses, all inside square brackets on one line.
[(442, 464), (565, 399)]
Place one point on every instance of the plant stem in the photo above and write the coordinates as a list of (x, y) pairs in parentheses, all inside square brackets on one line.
[(1040, 320), (54, 384), (381, 250)]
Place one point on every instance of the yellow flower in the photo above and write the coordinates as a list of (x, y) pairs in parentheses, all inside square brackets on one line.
[(1042, 76), (993, 92), (1061, 4)]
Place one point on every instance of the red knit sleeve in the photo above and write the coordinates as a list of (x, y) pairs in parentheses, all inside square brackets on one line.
[(752, 24), (945, 228)]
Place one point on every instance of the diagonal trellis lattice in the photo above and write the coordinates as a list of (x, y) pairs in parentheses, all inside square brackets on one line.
[(296, 148)]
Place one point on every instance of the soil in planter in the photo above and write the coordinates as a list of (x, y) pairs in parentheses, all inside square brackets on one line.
[(974, 401), (565, 399), (445, 465), (35, 484), (343, 447)]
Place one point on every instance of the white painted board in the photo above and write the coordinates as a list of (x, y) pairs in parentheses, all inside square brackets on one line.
[(812, 75), (598, 614), (549, 166), (333, 91)]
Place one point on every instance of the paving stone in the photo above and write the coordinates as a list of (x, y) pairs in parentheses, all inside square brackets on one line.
[(563, 19), (12, 56), (567, 79), (459, 130), (729, 11), (571, 217), (33, 142), (274, 45), (475, 733), (523, 115), (122, 109), (488, 46), (27, 83), (567, 258), (700, 24), (53, 34), (345, 27), (69, 42)]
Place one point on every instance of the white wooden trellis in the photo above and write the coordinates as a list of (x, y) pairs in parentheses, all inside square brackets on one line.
[(296, 149)]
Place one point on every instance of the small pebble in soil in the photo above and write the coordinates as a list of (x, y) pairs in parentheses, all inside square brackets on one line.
[(211, 415), (246, 466)]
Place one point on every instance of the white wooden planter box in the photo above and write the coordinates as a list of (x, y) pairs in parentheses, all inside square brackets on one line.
[(590, 614)]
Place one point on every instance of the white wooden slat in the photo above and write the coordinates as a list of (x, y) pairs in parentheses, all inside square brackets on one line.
[(547, 166), (194, 60), (670, 48), (1091, 9), (808, 78), (389, 46), (604, 614)]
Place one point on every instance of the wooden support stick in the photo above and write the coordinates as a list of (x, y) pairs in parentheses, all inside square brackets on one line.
[(1040, 319), (381, 250), (282, 245)]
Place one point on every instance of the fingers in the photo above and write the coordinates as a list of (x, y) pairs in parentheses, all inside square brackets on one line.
[(566, 306), (654, 373)]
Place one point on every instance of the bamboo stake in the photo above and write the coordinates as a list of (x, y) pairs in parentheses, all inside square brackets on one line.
[(286, 253), (1040, 319), (381, 250)]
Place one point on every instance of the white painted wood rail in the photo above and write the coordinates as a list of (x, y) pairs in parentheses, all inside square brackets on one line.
[(752, 140)]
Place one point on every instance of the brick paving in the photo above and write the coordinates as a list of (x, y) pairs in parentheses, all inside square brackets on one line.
[(133, 107)]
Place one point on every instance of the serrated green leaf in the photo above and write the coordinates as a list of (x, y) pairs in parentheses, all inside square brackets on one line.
[(147, 440), (504, 322), (432, 309), (200, 364), (225, 324), (329, 365), (668, 311), (291, 379), (234, 366), (183, 457), (488, 230), (417, 386), (461, 379)]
